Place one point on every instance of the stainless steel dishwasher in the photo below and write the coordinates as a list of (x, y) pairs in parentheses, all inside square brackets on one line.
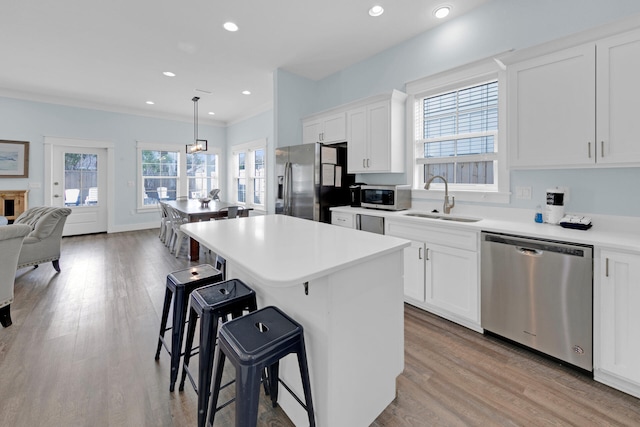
[(371, 223), (540, 294)]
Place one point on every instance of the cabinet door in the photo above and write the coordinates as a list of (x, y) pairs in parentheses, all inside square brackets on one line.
[(343, 219), (357, 140), (334, 128), (452, 281), (551, 103), (414, 284), (379, 137), (618, 93), (619, 315), (311, 131)]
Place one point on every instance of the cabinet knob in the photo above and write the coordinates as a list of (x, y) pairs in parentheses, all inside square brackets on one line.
[(589, 148), (602, 148)]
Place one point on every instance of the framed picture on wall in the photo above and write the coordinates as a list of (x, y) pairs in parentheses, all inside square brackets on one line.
[(14, 159)]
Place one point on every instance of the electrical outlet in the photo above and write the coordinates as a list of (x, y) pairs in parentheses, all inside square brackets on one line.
[(523, 193)]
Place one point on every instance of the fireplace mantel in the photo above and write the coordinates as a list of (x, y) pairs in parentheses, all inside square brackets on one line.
[(13, 203)]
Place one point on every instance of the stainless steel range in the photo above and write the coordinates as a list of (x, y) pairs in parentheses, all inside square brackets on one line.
[(540, 294)]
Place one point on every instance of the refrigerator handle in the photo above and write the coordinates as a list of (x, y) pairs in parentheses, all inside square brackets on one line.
[(286, 190)]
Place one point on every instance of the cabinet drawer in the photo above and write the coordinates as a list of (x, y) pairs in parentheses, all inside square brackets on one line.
[(433, 234), (343, 219)]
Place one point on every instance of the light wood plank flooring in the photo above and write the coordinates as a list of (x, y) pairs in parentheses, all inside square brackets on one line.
[(81, 350)]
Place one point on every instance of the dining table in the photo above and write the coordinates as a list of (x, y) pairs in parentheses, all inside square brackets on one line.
[(196, 211)]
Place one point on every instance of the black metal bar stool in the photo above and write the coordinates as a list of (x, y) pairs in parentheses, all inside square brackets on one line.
[(180, 284), (212, 304), (253, 342)]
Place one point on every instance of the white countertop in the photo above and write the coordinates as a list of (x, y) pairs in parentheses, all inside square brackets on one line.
[(286, 251), (607, 231)]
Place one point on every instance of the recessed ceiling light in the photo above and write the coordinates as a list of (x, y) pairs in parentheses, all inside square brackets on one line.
[(376, 10), (150, 102), (211, 113), (169, 74), (246, 92), (442, 12), (230, 26)]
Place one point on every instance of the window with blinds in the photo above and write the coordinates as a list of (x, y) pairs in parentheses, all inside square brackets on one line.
[(456, 135)]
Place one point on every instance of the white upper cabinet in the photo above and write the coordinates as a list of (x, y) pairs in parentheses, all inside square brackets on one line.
[(618, 92), (326, 129), (551, 109), (576, 107), (375, 135)]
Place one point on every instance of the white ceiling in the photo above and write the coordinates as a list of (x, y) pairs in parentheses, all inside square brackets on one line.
[(111, 54)]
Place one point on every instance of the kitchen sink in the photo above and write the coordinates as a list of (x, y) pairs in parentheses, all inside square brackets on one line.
[(442, 217)]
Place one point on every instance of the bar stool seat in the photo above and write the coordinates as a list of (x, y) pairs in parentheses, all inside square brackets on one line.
[(253, 342), (212, 304), (180, 284)]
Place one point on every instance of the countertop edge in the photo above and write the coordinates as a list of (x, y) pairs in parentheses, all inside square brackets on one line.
[(611, 239)]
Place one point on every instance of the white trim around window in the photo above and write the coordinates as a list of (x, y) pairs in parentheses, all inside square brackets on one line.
[(182, 182), (465, 76), (248, 149)]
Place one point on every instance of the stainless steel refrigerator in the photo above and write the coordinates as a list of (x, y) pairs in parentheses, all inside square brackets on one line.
[(311, 178)]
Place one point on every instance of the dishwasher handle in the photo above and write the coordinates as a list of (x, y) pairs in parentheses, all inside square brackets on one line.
[(528, 251)]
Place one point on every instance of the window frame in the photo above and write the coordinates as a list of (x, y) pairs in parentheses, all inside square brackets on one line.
[(462, 77), (182, 179), (249, 148), (209, 178)]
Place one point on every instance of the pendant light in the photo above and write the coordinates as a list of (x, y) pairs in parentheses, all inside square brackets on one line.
[(198, 144)]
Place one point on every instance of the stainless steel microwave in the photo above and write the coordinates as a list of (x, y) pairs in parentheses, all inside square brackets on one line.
[(388, 197)]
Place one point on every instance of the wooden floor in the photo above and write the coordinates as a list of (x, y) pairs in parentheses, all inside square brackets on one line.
[(81, 350)]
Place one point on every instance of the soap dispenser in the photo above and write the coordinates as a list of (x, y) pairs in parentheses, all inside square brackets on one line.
[(538, 217)]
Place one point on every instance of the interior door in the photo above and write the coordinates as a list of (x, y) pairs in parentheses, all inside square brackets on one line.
[(79, 182)]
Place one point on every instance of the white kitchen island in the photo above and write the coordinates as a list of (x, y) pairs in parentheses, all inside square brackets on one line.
[(344, 286)]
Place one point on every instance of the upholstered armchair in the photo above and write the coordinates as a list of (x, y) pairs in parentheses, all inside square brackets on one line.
[(43, 243), (11, 237)]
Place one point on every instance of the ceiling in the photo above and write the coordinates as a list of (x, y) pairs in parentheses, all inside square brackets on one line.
[(110, 55)]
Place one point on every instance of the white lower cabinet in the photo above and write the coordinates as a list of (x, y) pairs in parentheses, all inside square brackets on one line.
[(414, 267), (617, 317), (441, 270), (343, 219), (452, 283)]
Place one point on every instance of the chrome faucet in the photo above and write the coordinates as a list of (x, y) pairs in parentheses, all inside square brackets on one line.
[(446, 208)]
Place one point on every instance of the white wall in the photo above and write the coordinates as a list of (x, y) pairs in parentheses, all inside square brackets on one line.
[(495, 27), (31, 121), (254, 128)]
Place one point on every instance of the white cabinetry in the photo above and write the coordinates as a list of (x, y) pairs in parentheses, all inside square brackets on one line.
[(414, 267), (343, 219), (446, 280), (375, 135), (576, 107), (618, 91), (617, 338), (326, 129)]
